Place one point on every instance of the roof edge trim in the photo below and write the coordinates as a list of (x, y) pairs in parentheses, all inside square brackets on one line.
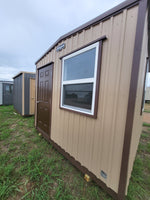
[(22, 72), (112, 11)]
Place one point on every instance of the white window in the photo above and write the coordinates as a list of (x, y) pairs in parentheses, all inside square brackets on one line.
[(78, 87)]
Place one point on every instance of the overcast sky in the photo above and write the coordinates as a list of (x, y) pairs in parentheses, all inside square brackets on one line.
[(30, 27)]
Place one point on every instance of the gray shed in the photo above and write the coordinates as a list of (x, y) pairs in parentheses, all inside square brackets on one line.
[(6, 92), (24, 93)]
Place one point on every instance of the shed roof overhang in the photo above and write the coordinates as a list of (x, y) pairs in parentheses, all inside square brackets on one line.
[(22, 72), (102, 17)]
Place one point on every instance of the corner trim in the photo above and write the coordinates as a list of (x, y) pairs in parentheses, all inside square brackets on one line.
[(23, 94), (132, 99)]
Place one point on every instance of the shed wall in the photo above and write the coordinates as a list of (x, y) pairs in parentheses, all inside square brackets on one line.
[(18, 94), (137, 123), (97, 143), (32, 96), (7, 95), (27, 77), (1, 93)]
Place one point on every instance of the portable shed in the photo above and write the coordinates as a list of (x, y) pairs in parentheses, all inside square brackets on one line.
[(147, 87), (6, 92), (89, 95), (147, 94), (24, 93)]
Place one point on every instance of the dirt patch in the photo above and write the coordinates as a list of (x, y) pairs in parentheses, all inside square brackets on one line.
[(4, 148), (146, 117), (25, 187), (13, 126)]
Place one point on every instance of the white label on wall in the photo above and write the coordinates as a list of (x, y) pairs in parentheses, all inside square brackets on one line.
[(60, 47)]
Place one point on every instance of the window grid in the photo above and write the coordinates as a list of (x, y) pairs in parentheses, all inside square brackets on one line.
[(81, 81)]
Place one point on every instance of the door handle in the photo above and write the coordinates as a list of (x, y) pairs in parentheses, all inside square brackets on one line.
[(38, 102)]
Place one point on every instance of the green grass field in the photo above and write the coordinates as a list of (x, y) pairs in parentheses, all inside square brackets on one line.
[(30, 168)]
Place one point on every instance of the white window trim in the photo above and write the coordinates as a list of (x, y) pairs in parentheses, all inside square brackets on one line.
[(79, 81)]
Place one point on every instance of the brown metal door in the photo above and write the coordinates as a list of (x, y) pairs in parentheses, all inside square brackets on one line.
[(44, 100)]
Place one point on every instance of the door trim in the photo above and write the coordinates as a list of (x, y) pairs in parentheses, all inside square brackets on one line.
[(46, 136)]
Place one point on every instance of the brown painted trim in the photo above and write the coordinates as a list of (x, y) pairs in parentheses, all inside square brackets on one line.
[(83, 169), (36, 96), (88, 44), (50, 63), (78, 165), (143, 95), (97, 81), (124, 5), (45, 135), (132, 99)]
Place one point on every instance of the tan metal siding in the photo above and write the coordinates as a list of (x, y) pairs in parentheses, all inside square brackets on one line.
[(32, 96), (97, 143), (137, 123)]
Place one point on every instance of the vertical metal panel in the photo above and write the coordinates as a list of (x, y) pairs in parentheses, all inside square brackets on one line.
[(23, 88), (1, 93), (32, 97), (137, 123), (97, 143), (27, 77), (7, 95), (18, 94)]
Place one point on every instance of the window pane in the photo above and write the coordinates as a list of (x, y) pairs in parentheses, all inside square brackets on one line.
[(78, 95), (80, 66)]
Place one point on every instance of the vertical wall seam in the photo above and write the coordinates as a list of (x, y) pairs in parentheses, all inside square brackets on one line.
[(132, 98), (122, 35), (106, 82)]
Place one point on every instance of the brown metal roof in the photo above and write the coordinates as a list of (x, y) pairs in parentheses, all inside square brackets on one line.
[(102, 17)]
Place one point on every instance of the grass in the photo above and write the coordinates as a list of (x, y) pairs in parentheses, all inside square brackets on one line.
[(146, 124), (30, 168), (147, 111)]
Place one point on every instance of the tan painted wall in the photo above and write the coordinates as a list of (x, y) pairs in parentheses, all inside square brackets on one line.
[(97, 143), (32, 96), (137, 123)]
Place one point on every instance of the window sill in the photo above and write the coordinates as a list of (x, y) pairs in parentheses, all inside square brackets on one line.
[(94, 116)]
